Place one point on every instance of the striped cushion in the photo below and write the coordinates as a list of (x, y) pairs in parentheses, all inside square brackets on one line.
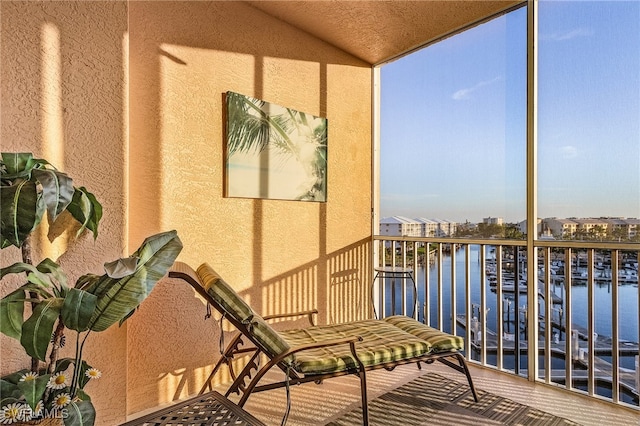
[(266, 336), (382, 342), (234, 306), (390, 340), (438, 340), (223, 294)]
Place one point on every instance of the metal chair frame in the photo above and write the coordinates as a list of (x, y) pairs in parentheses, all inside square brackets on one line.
[(237, 348)]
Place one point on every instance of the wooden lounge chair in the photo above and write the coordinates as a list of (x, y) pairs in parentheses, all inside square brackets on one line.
[(317, 352)]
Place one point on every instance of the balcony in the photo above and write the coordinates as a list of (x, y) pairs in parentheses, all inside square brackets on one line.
[(310, 407), (589, 285), (591, 348)]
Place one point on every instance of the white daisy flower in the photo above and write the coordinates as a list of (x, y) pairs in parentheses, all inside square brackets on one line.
[(11, 413), (62, 400), (28, 376), (58, 381), (93, 373)]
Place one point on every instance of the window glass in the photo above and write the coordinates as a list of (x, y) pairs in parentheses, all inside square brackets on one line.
[(453, 133), (589, 120)]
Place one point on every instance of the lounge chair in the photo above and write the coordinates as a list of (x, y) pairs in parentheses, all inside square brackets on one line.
[(317, 352)]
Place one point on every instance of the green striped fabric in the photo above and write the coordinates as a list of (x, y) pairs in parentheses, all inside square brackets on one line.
[(382, 343), (270, 340), (438, 340), (393, 339), (233, 305), (223, 294)]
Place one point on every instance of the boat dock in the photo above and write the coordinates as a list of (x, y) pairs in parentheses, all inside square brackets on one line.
[(602, 346)]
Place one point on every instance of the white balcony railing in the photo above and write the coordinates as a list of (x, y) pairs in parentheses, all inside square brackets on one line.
[(584, 324)]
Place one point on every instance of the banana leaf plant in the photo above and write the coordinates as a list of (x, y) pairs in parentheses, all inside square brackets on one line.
[(31, 188), (93, 304)]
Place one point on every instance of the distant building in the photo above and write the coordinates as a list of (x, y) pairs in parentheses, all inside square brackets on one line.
[(493, 221), (437, 227), (562, 228), (633, 225), (429, 227), (541, 229), (400, 226), (445, 228), (623, 228), (594, 227)]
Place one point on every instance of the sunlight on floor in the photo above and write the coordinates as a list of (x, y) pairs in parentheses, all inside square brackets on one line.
[(319, 404)]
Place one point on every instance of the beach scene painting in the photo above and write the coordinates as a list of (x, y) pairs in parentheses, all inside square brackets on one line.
[(274, 152)]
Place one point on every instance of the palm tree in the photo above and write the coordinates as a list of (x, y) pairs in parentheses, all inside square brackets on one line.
[(252, 129)]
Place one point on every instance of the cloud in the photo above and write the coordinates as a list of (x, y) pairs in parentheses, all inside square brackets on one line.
[(568, 152), (567, 35), (463, 94)]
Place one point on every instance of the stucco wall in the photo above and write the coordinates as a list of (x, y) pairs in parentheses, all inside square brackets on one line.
[(280, 255), (63, 97), (140, 123)]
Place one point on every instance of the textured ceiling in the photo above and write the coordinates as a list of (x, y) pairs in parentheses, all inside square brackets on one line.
[(375, 31)]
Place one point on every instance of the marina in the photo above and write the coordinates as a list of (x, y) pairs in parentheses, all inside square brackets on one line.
[(513, 322)]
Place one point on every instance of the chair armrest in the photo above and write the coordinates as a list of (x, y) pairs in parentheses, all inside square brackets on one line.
[(351, 340), (310, 313)]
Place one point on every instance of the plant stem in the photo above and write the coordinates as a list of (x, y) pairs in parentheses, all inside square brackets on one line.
[(26, 258), (78, 365), (57, 337), (53, 357)]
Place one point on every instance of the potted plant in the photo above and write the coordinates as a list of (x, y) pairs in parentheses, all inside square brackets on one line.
[(53, 388)]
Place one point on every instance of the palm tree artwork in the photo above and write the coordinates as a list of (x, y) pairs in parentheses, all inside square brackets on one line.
[(274, 152)]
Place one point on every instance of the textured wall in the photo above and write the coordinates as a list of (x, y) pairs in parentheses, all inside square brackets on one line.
[(127, 98), (280, 255), (63, 90)]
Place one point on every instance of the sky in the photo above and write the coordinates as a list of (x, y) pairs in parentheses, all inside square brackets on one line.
[(453, 118)]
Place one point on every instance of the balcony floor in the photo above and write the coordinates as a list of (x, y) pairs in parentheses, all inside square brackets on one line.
[(319, 404)]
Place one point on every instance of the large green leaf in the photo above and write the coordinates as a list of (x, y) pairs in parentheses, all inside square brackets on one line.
[(80, 413), (118, 297), (32, 186), (17, 164), (33, 390), (12, 314), (122, 267), (21, 210), (87, 281), (78, 309), (83, 379), (63, 363), (37, 330), (86, 209), (35, 274), (15, 376), (9, 392), (48, 266), (57, 190)]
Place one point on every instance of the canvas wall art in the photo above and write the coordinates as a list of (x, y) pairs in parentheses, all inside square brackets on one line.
[(274, 152)]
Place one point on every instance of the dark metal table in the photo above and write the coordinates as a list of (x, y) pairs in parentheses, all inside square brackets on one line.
[(394, 272), (211, 409)]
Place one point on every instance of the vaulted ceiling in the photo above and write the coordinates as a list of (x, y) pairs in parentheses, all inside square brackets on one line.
[(376, 31)]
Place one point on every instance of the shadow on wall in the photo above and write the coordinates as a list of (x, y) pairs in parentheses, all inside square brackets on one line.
[(337, 285), (170, 358), (63, 98), (110, 95), (186, 344), (183, 56)]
